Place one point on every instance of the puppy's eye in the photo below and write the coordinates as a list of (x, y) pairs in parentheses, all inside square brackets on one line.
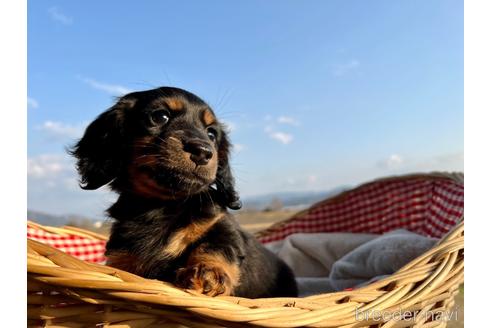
[(159, 117), (212, 134)]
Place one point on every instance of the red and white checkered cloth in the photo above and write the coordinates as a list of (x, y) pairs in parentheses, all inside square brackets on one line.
[(427, 206), (86, 249)]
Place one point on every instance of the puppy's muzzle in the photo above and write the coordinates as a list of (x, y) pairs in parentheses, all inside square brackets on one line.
[(200, 151)]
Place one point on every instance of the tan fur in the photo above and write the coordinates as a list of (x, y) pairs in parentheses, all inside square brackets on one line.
[(174, 104), (209, 273), (142, 182), (180, 239), (144, 185), (208, 117), (172, 155)]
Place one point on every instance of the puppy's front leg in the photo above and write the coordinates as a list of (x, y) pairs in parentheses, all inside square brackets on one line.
[(209, 272)]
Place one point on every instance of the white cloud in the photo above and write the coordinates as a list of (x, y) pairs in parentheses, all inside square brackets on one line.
[(282, 137), (113, 89), (52, 187), (57, 15), (312, 179), (238, 147), (288, 120), (48, 166), (342, 69), (32, 103), (393, 161), (59, 130)]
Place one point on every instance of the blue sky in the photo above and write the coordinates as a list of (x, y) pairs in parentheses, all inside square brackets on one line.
[(317, 94)]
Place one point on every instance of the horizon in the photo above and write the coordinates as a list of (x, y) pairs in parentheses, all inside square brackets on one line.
[(317, 95)]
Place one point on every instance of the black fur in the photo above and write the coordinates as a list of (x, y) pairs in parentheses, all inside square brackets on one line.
[(166, 192)]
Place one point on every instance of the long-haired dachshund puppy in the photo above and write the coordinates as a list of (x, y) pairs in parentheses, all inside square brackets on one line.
[(167, 156)]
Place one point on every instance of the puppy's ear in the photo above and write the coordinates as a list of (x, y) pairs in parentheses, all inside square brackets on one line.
[(98, 153), (227, 195)]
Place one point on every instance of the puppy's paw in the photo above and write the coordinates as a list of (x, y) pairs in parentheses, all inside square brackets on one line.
[(204, 278)]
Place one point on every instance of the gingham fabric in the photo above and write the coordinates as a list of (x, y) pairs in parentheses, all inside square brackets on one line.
[(429, 207), (86, 249)]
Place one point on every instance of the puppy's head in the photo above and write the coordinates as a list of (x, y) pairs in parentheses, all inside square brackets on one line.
[(163, 143)]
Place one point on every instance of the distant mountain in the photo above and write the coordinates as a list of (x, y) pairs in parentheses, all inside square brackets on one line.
[(273, 201), (289, 199), (57, 220)]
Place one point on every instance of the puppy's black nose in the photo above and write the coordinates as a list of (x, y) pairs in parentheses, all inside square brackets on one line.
[(201, 152)]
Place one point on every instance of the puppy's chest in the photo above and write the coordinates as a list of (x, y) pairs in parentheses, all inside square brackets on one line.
[(181, 238), (156, 248)]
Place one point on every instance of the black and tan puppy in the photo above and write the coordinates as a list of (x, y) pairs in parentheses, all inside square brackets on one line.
[(167, 156)]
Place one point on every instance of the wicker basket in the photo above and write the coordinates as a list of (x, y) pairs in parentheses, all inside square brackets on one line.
[(64, 291)]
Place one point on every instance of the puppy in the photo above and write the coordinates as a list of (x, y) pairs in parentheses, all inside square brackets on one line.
[(167, 156)]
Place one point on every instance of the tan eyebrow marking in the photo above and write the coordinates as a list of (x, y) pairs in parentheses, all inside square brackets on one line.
[(208, 117), (174, 104)]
